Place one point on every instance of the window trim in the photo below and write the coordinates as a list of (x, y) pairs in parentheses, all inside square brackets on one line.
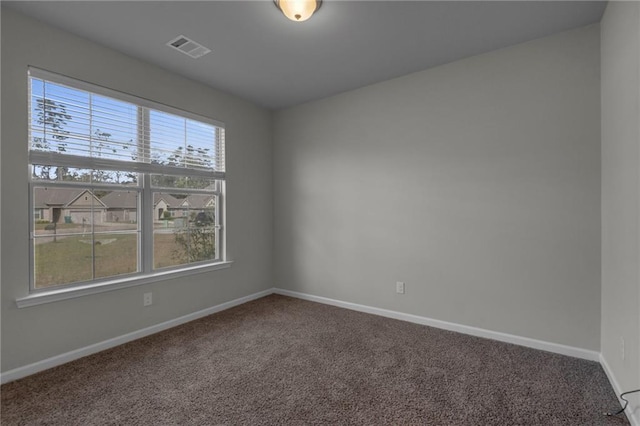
[(74, 291), (146, 272)]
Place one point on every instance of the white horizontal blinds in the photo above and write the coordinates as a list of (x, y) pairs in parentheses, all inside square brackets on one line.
[(220, 150), (75, 122), (181, 142), (72, 125)]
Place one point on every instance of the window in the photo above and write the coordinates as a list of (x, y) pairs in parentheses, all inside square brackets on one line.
[(119, 186)]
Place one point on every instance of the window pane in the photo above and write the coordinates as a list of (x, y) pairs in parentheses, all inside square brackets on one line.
[(184, 229), (82, 234)]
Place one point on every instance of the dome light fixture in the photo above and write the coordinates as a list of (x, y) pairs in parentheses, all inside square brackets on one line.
[(298, 10)]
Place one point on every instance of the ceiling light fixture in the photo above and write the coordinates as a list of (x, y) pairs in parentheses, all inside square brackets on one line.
[(298, 10)]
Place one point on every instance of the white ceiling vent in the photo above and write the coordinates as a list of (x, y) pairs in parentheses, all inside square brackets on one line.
[(188, 47)]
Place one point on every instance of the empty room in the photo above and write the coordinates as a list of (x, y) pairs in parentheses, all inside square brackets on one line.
[(320, 212)]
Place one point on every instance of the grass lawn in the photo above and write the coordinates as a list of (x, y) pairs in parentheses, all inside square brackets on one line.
[(166, 252), (70, 259)]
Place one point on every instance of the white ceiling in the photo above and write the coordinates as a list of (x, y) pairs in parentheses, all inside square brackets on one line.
[(261, 56)]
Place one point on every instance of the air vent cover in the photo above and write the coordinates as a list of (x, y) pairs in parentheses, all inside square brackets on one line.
[(188, 46)]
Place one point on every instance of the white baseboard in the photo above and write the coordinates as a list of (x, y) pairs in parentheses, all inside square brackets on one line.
[(57, 360), (465, 329), (634, 419), (54, 361)]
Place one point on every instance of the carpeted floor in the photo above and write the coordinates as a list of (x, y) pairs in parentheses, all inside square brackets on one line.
[(279, 360)]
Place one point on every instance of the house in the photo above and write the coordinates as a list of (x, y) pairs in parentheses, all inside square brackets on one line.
[(59, 205), (165, 203), (198, 202), (122, 206), (56, 204), (181, 207), (482, 157)]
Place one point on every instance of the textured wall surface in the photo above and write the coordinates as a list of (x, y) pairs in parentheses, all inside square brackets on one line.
[(477, 183), (620, 30)]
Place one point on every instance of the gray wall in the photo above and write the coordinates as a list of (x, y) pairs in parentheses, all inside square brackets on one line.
[(35, 333), (620, 29), (477, 183)]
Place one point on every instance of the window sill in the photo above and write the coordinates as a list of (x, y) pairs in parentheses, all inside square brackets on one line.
[(71, 293)]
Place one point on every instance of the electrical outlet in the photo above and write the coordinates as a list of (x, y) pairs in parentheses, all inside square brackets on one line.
[(147, 299), (622, 348), (400, 287)]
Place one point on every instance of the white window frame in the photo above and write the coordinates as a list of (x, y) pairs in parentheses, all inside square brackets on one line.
[(145, 212)]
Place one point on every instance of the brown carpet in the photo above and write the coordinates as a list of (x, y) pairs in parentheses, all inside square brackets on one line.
[(279, 360)]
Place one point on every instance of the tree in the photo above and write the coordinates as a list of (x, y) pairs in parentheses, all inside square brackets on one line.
[(104, 143), (190, 157), (53, 117)]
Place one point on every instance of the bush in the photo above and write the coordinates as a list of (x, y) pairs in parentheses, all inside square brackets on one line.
[(196, 244), (41, 221)]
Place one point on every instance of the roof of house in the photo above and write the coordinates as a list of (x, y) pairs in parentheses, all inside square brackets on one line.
[(59, 197), (199, 200), (121, 199), (192, 201), (62, 197), (78, 202), (169, 199)]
